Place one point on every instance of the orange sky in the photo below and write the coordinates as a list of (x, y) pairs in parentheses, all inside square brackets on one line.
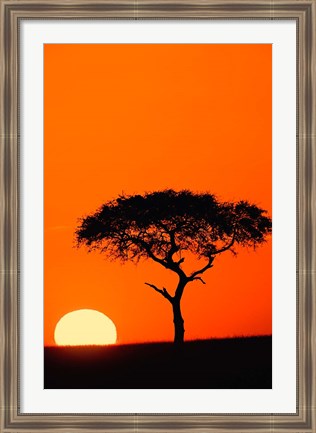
[(135, 118)]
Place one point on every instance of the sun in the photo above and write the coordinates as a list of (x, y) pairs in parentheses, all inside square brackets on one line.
[(85, 327)]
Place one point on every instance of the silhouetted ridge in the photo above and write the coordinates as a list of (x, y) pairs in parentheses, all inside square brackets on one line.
[(236, 363)]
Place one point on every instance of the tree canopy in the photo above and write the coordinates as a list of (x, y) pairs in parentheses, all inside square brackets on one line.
[(159, 224)]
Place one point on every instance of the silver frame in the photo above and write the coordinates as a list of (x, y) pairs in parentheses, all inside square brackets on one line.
[(11, 13)]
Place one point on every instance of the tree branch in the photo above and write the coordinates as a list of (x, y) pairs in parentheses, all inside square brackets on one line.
[(211, 258), (180, 261), (166, 263), (162, 291), (200, 271), (199, 278), (228, 246), (174, 247), (148, 251)]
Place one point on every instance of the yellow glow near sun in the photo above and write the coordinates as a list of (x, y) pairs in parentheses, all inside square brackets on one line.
[(85, 327)]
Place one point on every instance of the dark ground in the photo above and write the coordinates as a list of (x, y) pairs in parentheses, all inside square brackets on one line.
[(237, 363)]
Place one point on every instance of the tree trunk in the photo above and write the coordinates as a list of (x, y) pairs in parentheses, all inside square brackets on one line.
[(178, 323)]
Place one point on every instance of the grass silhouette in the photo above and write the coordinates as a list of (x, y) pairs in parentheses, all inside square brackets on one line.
[(232, 363)]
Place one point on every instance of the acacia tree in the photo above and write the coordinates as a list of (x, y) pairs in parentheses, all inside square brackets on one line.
[(164, 225)]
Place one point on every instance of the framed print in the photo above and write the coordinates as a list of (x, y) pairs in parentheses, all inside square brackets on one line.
[(157, 220)]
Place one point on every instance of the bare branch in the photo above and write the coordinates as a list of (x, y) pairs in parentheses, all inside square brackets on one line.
[(162, 291), (148, 250), (168, 264), (226, 247), (200, 271), (174, 247), (180, 261), (211, 258), (199, 278)]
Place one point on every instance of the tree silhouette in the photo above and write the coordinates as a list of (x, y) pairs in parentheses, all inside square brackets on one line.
[(163, 225)]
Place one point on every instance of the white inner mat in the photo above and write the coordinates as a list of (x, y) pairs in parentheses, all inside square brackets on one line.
[(282, 398)]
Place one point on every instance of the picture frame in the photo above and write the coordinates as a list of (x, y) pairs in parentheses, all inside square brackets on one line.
[(12, 12)]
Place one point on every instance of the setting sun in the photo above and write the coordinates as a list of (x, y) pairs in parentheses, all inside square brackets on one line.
[(85, 327)]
